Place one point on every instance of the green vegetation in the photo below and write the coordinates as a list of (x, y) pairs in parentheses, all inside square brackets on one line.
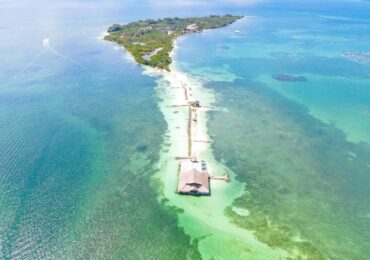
[(151, 41)]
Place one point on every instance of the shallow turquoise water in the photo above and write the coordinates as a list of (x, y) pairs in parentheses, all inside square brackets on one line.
[(299, 42), (80, 132), (80, 129), (302, 147)]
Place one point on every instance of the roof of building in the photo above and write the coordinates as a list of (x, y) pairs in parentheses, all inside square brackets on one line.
[(192, 26), (192, 180)]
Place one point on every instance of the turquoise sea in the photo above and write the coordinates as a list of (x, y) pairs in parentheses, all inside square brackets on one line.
[(81, 130)]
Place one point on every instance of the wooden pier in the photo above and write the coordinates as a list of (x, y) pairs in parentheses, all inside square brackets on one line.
[(202, 141), (195, 168), (190, 132), (182, 157), (223, 178), (183, 85)]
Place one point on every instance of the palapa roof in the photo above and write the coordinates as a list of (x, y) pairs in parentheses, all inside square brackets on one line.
[(192, 180)]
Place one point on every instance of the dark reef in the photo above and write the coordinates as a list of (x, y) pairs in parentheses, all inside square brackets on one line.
[(289, 78)]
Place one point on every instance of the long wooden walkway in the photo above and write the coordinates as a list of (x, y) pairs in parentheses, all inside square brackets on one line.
[(192, 120)]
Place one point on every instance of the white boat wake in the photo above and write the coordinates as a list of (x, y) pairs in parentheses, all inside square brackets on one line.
[(47, 45)]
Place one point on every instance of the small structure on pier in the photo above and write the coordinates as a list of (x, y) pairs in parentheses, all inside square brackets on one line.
[(193, 178), (194, 103)]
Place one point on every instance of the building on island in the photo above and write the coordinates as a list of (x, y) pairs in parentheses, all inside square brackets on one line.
[(193, 178), (192, 27)]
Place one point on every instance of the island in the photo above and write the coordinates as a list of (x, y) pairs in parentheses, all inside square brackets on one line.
[(151, 41)]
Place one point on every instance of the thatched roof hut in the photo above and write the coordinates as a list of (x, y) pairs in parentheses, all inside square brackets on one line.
[(193, 179)]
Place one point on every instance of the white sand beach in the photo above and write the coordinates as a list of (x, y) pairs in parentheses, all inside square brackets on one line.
[(203, 218)]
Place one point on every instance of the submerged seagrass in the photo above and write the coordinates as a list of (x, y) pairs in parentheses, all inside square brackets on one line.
[(150, 41)]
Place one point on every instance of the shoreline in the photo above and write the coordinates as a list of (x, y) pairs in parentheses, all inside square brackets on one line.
[(147, 38), (202, 218)]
